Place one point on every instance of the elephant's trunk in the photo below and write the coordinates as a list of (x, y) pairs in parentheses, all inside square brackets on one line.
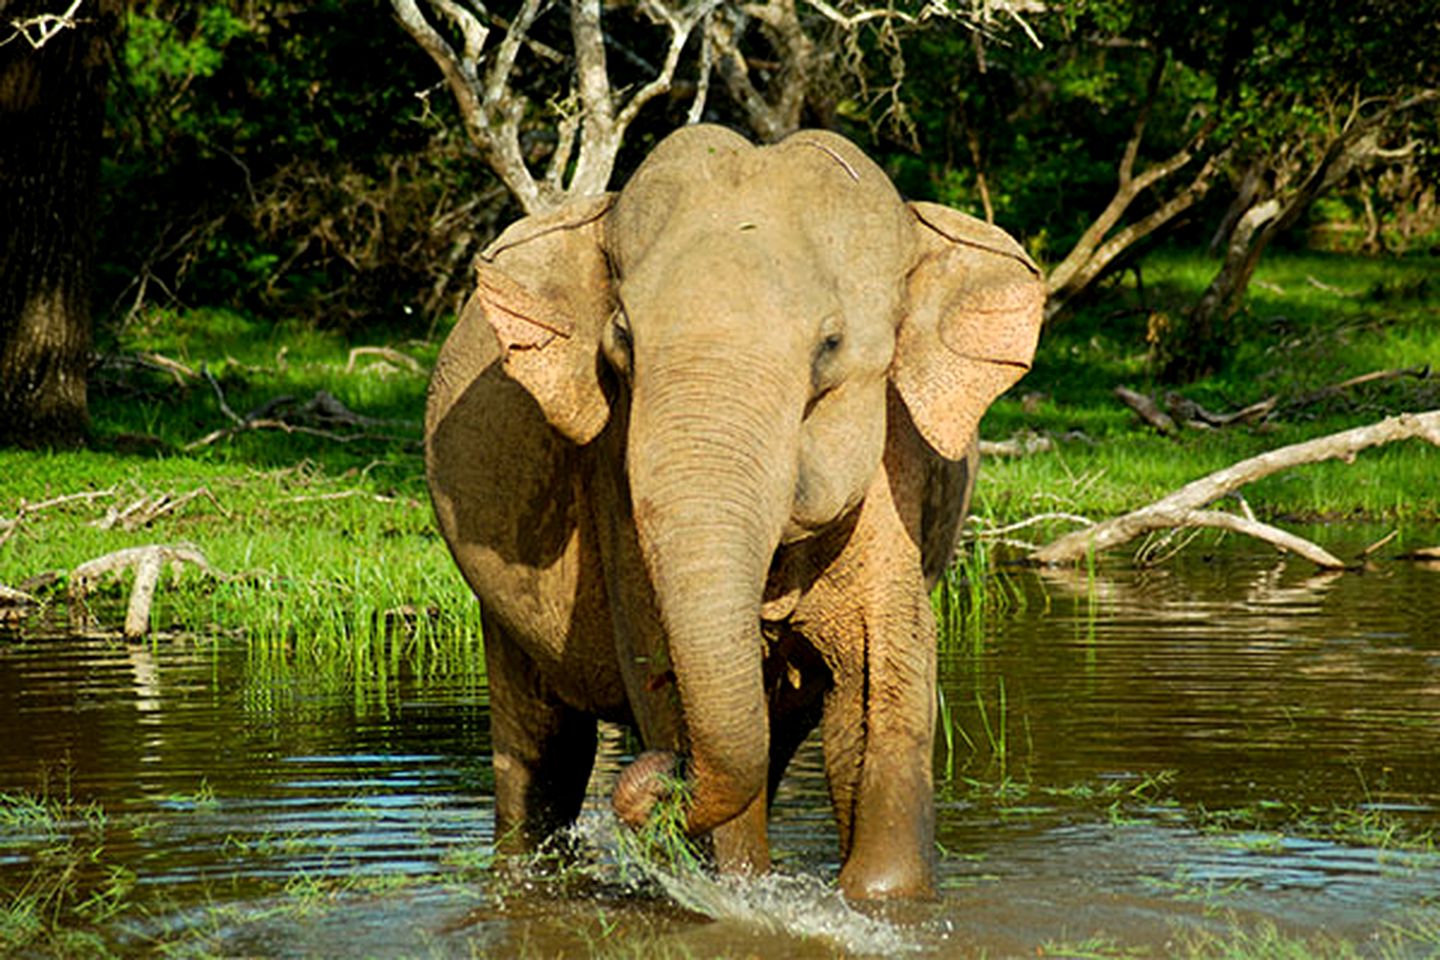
[(712, 472)]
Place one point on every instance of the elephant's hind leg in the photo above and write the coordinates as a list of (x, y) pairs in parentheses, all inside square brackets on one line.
[(543, 750)]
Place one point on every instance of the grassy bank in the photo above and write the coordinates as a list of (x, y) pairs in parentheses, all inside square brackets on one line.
[(1312, 321), (328, 526), (324, 529)]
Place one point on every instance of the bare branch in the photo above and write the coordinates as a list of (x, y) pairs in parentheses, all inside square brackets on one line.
[(1092, 253), (849, 22), (696, 112), (1147, 409), (1183, 506), (148, 562), (387, 354), (42, 28), (8, 528)]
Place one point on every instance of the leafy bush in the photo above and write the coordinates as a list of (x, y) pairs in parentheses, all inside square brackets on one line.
[(275, 157)]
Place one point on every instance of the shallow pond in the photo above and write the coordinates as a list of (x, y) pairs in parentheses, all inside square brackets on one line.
[(1226, 752)]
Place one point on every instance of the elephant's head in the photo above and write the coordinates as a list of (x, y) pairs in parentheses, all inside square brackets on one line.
[(752, 307)]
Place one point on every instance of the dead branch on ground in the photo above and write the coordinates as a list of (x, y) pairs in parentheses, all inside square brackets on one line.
[(1181, 412), (1192, 415), (182, 374), (313, 418), (10, 597), (1020, 445), (978, 528), (9, 527), (1183, 507), (148, 562), (387, 355), (148, 509), (1419, 372), (1148, 410)]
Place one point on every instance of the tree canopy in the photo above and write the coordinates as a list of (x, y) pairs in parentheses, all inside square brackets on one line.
[(342, 163)]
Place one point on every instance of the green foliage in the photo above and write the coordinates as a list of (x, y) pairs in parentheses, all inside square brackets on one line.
[(339, 564), (274, 156)]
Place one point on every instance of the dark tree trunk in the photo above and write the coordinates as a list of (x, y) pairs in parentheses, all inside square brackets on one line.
[(52, 114)]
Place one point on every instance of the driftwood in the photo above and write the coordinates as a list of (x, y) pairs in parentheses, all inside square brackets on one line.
[(148, 562), (10, 597), (1183, 507), (978, 528), (1423, 554)]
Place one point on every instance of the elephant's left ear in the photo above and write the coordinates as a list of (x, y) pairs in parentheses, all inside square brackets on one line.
[(973, 307)]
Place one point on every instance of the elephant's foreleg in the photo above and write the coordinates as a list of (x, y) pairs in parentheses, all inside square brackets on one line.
[(892, 828), (878, 633), (543, 750)]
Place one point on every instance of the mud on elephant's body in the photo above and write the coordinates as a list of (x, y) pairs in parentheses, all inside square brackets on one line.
[(701, 448)]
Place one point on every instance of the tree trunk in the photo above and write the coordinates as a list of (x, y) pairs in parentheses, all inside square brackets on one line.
[(52, 111), (1201, 341), (1101, 244)]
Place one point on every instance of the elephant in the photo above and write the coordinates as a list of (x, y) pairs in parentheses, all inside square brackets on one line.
[(701, 448)]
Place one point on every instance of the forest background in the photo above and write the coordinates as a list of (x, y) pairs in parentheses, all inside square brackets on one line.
[(242, 227)]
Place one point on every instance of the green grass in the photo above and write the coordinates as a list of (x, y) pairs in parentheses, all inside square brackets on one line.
[(335, 542), (1295, 338), (331, 545)]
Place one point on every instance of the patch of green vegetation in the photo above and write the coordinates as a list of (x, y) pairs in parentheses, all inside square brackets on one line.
[(68, 887), (325, 534), (1418, 935), (1311, 321)]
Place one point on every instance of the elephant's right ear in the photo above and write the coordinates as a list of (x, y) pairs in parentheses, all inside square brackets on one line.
[(544, 288)]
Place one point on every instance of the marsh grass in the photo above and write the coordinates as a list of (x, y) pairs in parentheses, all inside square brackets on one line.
[(69, 887), (662, 843), (332, 545)]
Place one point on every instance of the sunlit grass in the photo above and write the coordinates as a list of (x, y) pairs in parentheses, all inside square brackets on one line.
[(1295, 338)]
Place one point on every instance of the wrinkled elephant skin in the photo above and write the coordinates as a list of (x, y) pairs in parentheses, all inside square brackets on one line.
[(701, 447)]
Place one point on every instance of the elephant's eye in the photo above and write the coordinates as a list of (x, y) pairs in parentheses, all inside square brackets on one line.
[(824, 369), (618, 344)]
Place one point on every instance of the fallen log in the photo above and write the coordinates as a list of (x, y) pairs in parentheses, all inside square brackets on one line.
[(1183, 507), (1147, 410)]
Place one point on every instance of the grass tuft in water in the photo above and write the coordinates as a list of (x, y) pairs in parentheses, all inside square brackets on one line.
[(663, 843)]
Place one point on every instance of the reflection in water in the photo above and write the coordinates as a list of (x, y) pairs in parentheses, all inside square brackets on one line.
[(1218, 741)]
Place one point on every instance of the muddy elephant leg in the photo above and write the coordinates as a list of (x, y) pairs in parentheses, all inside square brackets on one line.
[(884, 761), (742, 845), (878, 634), (543, 750)]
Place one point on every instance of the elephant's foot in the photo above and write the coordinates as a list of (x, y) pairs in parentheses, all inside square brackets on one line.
[(892, 848), (887, 877)]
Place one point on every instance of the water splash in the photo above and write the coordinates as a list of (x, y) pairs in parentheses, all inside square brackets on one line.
[(799, 906)]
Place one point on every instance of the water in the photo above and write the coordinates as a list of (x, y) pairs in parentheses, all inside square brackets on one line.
[(1140, 761)]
